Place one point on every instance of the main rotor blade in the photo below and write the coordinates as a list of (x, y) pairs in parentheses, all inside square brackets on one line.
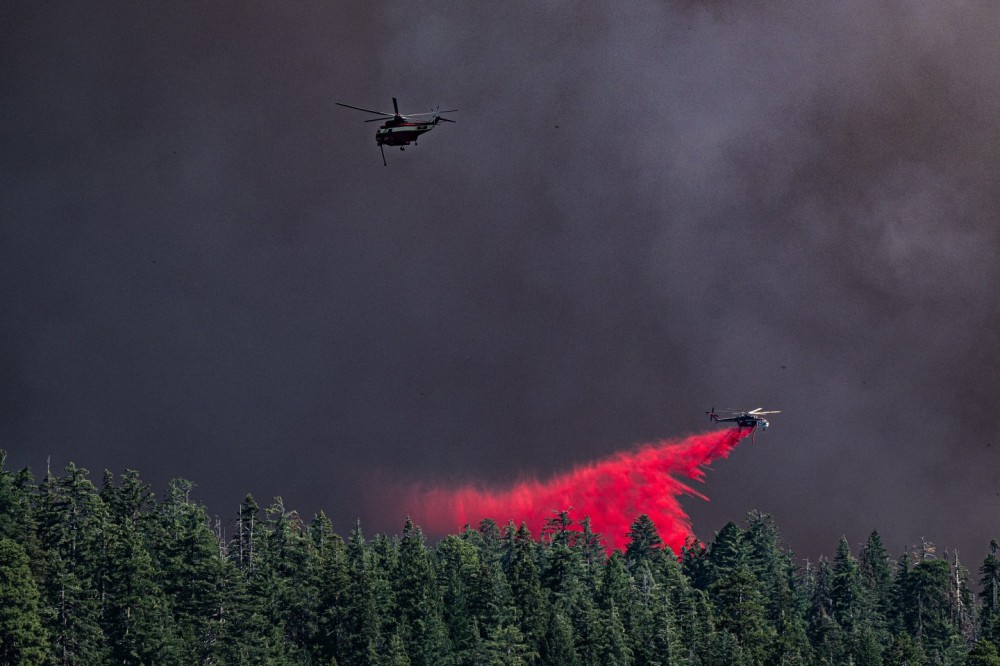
[(431, 113), (395, 106), (754, 411), (447, 120), (358, 108)]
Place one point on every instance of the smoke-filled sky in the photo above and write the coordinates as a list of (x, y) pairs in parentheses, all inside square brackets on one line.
[(644, 210)]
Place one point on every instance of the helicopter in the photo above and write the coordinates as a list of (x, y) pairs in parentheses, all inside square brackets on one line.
[(400, 130), (753, 419)]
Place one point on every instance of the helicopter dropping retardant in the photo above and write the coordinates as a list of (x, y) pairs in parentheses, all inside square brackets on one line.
[(400, 130), (753, 419)]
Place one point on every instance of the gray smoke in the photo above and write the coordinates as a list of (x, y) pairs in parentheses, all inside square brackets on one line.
[(642, 211)]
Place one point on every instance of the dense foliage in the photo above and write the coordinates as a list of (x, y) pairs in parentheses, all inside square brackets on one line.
[(92, 576)]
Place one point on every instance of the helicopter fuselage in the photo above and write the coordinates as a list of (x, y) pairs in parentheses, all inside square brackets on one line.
[(400, 134), (746, 421)]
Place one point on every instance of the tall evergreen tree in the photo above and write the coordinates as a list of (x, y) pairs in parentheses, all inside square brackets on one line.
[(615, 650), (928, 602), (418, 600), (16, 518), (593, 554), (558, 647), (846, 599), (131, 498), (771, 565), (875, 567), (23, 640), (72, 522), (362, 621), (330, 576), (728, 552), (136, 617), (457, 568), (530, 606), (645, 544), (244, 548), (695, 564), (741, 612), (290, 593), (990, 594), (562, 565), (824, 632), (191, 571)]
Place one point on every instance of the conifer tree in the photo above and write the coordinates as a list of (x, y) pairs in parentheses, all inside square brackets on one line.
[(984, 653), (615, 650), (616, 584), (725, 648), (772, 566), (846, 599), (362, 623), (741, 611), (729, 551), (593, 555), (867, 651), (457, 567), (395, 653), (289, 593), (558, 647), (72, 521), (491, 600), (529, 603), (192, 574), (876, 578), (653, 634), (962, 601), (562, 566), (990, 594), (23, 640), (695, 564), (245, 545), (418, 600), (488, 541), (904, 651), (131, 498), (506, 646), (824, 632), (136, 615), (901, 610), (16, 519), (645, 544), (329, 572), (928, 601)]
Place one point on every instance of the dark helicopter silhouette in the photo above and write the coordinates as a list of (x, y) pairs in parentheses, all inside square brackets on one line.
[(400, 130)]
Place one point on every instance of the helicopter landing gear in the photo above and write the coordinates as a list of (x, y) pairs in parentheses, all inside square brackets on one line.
[(401, 148)]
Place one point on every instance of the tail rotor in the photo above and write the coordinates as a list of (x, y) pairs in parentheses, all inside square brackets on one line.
[(436, 118)]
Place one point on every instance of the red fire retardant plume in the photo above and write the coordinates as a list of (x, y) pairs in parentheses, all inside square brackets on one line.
[(613, 492)]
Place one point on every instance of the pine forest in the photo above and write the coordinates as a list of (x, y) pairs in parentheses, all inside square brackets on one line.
[(117, 575)]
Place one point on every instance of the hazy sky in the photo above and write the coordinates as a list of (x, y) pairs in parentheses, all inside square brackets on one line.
[(643, 210)]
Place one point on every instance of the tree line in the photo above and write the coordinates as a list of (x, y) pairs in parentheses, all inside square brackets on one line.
[(116, 576)]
